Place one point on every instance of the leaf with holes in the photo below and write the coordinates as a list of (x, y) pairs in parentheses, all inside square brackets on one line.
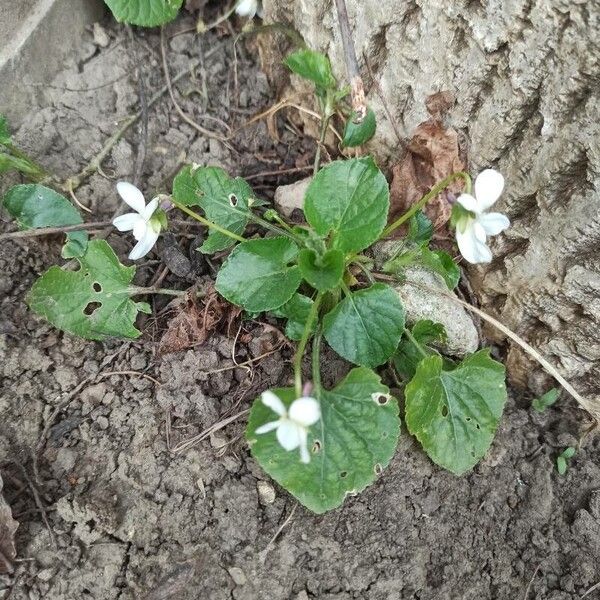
[(33, 206), (454, 414), (356, 134), (93, 302), (351, 443), (348, 199), (313, 66), (366, 326), (146, 13), (322, 272), (296, 312), (224, 200), (258, 274)]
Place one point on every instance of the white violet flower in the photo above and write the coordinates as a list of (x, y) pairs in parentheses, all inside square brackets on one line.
[(472, 229), (249, 8), (292, 425), (144, 223)]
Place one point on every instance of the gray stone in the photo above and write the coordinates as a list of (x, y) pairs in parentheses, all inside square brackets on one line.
[(422, 302), (35, 37), (289, 197)]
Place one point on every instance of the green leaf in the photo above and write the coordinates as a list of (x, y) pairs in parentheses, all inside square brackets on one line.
[(349, 199), (561, 465), (34, 206), (311, 65), (93, 302), (224, 200), (408, 356), (5, 137), (354, 440), (440, 262), (568, 452), (322, 272), (8, 162), (546, 400), (146, 13), (357, 134), (366, 326), (454, 414), (420, 229), (258, 275), (296, 311)]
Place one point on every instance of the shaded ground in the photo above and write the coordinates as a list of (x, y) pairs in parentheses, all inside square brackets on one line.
[(131, 519)]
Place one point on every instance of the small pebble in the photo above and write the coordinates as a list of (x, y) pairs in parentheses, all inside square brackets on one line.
[(238, 576), (266, 492), (102, 422)]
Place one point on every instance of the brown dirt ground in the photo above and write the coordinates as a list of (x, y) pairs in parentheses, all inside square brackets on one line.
[(130, 519)]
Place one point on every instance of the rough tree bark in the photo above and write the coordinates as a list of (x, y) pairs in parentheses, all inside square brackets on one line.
[(526, 76)]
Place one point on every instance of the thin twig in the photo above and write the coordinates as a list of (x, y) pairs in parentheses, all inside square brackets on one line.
[(137, 373), (242, 364), (96, 162), (526, 596), (27, 233), (186, 444), (289, 171), (182, 114), (359, 102), (263, 554), (592, 589)]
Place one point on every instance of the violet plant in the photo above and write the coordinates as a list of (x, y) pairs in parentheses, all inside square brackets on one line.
[(319, 277)]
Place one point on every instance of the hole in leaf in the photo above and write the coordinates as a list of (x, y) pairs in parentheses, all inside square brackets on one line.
[(344, 474), (380, 399), (233, 200), (384, 434), (378, 469), (91, 308), (444, 411), (97, 287), (316, 446), (477, 425), (467, 419)]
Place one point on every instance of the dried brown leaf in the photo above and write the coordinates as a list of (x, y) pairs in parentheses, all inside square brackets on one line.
[(8, 527), (432, 154), (194, 322)]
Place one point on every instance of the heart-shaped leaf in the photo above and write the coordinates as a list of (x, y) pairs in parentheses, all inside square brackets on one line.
[(366, 326), (258, 275), (322, 272), (34, 205), (356, 134), (296, 311), (454, 414), (146, 13), (350, 200), (225, 201), (93, 302), (349, 446)]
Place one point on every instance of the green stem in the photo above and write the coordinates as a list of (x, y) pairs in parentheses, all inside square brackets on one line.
[(283, 224), (312, 315), (209, 224), (435, 190), (413, 339), (322, 134), (316, 362)]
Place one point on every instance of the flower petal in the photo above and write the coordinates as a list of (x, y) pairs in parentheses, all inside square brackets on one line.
[(479, 231), (132, 196), (267, 427), (473, 250), (139, 229), (494, 223), (288, 434), (126, 222), (304, 454), (247, 8), (149, 210), (144, 245), (305, 411), (273, 402), (488, 187), (467, 201)]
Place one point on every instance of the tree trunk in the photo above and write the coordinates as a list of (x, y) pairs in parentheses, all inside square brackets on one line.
[(526, 76)]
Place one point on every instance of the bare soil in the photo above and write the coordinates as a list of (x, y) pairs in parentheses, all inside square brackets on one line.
[(129, 516)]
